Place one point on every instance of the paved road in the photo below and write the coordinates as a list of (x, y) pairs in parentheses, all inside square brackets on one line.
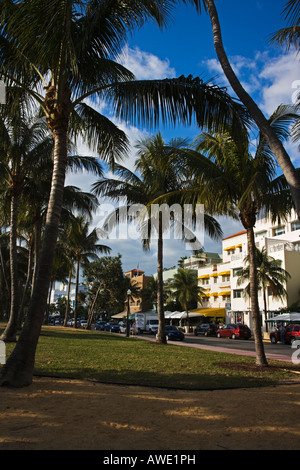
[(282, 352)]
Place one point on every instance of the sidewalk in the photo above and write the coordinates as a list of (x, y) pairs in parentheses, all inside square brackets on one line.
[(239, 352)]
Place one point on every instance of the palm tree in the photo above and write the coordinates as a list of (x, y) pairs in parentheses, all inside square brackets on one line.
[(229, 180), (22, 147), (269, 274), (63, 66), (83, 246), (157, 176), (184, 288), (286, 165), (289, 35)]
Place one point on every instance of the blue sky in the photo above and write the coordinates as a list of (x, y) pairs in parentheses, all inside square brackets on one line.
[(268, 73)]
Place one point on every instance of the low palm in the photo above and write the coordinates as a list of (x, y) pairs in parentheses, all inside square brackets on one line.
[(269, 274), (184, 288), (83, 245)]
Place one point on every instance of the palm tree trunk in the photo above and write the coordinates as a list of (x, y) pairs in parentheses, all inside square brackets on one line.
[(68, 298), (92, 308), (18, 370), (260, 353), (37, 239), (10, 332), (161, 334), (265, 304), (76, 293), (275, 145), (27, 284)]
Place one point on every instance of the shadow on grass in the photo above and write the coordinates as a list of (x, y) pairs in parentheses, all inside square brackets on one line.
[(165, 379)]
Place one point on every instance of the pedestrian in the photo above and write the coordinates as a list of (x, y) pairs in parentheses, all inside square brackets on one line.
[(282, 334)]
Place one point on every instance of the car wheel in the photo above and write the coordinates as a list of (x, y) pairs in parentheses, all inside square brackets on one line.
[(233, 336), (205, 334), (273, 340), (196, 334), (218, 335)]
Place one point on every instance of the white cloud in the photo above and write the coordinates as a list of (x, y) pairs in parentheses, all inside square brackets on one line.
[(144, 65)]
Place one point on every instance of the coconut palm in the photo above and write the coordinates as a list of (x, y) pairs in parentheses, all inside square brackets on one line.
[(270, 274), (231, 181), (156, 176), (286, 165), (289, 36), (184, 288), (25, 142), (83, 246), (63, 64)]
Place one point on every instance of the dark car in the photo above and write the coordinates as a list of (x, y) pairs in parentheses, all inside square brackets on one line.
[(173, 333), (292, 333), (206, 329), (100, 325), (234, 331), (112, 327)]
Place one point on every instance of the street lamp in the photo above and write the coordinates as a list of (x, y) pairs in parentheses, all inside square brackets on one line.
[(128, 312)]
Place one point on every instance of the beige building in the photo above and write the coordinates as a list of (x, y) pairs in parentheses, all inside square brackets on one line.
[(282, 241), (139, 281)]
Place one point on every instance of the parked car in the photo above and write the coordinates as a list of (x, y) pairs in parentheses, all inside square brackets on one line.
[(123, 327), (112, 327), (100, 325), (206, 329), (292, 334), (173, 333), (234, 331)]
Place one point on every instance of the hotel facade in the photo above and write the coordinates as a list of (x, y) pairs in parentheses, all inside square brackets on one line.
[(220, 281)]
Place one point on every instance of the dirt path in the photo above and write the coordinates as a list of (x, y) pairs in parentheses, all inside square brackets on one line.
[(70, 414)]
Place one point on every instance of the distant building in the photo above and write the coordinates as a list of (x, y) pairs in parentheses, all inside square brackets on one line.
[(139, 281)]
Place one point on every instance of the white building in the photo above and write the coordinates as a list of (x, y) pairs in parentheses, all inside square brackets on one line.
[(220, 281)]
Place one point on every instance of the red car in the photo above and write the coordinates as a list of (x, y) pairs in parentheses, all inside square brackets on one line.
[(234, 331), (292, 333)]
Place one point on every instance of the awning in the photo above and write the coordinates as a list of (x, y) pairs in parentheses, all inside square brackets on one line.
[(229, 248), (214, 275), (210, 312), (227, 292), (205, 276), (224, 273), (214, 294), (293, 317)]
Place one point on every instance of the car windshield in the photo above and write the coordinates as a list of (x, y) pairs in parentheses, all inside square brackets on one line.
[(171, 328)]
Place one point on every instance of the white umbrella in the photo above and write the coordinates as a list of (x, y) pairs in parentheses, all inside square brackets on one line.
[(286, 317)]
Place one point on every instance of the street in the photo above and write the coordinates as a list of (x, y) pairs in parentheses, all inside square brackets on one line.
[(282, 352)]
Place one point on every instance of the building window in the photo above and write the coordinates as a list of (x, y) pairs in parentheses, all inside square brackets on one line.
[(296, 246), (236, 272), (295, 226), (238, 293), (226, 278), (279, 231), (261, 234)]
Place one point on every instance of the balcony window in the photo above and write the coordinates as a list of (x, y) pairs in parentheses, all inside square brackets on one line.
[(279, 231), (295, 226)]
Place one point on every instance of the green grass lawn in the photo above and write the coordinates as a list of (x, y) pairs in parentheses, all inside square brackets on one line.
[(112, 358)]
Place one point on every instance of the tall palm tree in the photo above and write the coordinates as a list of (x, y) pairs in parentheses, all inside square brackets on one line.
[(157, 176), (22, 147), (83, 246), (289, 36), (270, 274), (231, 181), (184, 288), (288, 169), (63, 64)]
